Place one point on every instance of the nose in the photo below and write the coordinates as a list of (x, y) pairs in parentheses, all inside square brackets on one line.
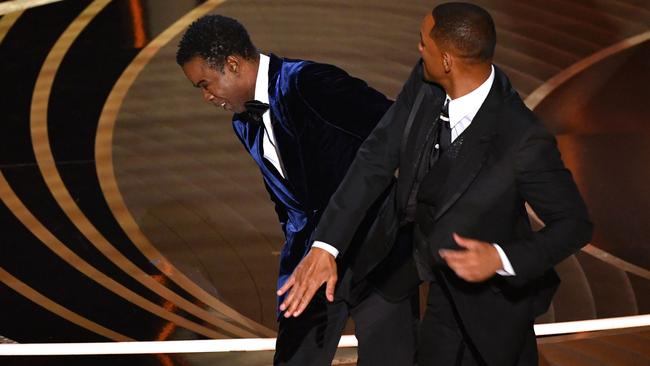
[(420, 47), (207, 96)]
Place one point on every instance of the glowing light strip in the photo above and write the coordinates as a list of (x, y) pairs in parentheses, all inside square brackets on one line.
[(7, 22), (536, 97), (139, 32), (18, 5), (268, 344), (592, 325), (616, 262), (52, 306)]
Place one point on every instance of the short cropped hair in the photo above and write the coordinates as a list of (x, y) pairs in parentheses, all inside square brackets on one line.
[(214, 38), (466, 28)]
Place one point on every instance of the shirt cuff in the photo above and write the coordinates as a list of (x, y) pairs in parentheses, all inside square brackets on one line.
[(506, 269), (326, 247)]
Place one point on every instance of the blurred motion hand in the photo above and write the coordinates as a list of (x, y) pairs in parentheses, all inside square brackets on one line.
[(477, 262)]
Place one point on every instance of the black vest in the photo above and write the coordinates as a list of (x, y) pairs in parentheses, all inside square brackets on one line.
[(428, 198), (405, 265)]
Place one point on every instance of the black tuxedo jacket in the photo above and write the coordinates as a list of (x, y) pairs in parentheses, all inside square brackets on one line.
[(507, 158)]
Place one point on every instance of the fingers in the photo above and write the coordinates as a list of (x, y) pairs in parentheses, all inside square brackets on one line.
[(456, 260), (295, 292), (301, 296), (464, 242), (293, 301), (461, 257), (453, 255), (475, 263), (304, 302), (329, 289), (461, 265), (287, 285)]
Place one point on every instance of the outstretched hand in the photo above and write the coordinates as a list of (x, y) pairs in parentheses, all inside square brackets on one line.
[(476, 262), (316, 268)]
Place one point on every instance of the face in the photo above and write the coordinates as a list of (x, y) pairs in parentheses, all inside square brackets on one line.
[(227, 89), (432, 57)]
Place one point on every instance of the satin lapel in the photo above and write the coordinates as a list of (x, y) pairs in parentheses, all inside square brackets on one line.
[(424, 120), (425, 117), (288, 144), (475, 150)]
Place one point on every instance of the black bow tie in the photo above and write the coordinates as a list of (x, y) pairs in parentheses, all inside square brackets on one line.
[(256, 109)]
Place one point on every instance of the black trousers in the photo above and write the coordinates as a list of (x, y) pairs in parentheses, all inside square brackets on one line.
[(384, 329), (444, 342)]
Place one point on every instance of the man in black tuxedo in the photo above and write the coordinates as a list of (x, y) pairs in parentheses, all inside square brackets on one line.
[(302, 123), (469, 154)]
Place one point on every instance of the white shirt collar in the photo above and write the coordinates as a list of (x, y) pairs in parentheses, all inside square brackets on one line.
[(262, 81), (468, 105)]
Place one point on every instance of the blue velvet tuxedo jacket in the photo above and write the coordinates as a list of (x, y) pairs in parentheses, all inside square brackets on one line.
[(320, 116)]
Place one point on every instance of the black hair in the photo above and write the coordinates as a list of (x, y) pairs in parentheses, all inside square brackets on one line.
[(466, 28), (214, 38)]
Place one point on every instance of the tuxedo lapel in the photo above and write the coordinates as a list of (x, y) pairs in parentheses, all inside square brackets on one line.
[(424, 121), (286, 139), (426, 117)]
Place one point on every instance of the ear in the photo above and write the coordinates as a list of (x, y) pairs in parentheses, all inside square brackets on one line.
[(233, 63), (447, 61)]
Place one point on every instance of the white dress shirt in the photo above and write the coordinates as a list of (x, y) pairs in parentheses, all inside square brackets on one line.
[(262, 94), (462, 111)]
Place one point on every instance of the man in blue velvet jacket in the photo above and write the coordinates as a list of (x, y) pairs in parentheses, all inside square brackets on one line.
[(302, 122)]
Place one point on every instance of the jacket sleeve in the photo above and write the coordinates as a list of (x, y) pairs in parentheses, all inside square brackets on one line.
[(370, 173), (340, 100), (548, 187)]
